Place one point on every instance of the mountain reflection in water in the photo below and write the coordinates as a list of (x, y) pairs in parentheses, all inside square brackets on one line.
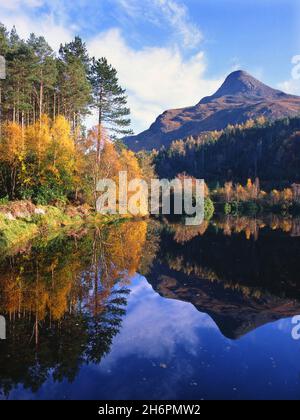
[(82, 324)]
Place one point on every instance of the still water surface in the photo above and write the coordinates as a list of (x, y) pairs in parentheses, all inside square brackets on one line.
[(209, 316)]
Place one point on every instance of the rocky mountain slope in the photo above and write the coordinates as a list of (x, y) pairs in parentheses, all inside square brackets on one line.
[(240, 98), (235, 314)]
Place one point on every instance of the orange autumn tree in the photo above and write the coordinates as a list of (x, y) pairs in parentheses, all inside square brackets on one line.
[(60, 163), (11, 157), (38, 161), (37, 142), (50, 159), (129, 163), (102, 161), (105, 161), (46, 161)]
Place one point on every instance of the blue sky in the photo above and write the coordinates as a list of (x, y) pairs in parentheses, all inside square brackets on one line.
[(171, 53)]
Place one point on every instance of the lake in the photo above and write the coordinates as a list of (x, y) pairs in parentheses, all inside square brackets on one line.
[(154, 310)]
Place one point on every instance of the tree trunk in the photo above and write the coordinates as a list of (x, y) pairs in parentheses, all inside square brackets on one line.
[(41, 100), (0, 109), (54, 106)]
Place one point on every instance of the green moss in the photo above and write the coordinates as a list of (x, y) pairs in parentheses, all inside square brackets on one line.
[(15, 231)]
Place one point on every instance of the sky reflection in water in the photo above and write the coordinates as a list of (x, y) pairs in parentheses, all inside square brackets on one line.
[(166, 349)]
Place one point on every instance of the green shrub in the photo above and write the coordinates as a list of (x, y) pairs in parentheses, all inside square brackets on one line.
[(227, 209), (48, 196), (236, 208), (4, 201), (45, 195), (209, 209)]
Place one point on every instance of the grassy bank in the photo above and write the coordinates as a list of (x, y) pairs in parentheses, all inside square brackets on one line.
[(14, 231), (22, 222)]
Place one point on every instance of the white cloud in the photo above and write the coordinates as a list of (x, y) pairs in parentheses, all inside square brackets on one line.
[(291, 86), (166, 12), (17, 13), (15, 4), (54, 33), (177, 15), (175, 322), (156, 78)]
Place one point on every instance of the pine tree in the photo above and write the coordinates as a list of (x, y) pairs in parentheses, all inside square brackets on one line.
[(45, 71), (3, 40), (74, 86), (18, 84), (110, 100), (76, 49), (3, 51)]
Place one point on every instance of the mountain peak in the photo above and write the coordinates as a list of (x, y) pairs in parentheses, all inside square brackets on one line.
[(240, 98), (241, 83)]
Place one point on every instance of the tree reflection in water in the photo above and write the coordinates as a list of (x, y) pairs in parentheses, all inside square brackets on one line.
[(65, 299), (64, 302)]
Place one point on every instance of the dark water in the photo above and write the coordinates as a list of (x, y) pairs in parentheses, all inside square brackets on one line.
[(208, 317)]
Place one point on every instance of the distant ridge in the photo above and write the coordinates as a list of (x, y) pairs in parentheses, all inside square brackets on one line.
[(240, 98)]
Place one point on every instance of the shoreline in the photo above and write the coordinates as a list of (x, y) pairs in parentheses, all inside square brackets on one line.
[(17, 228)]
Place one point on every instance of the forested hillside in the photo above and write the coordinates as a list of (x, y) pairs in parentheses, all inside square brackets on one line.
[(269, 151), (240, 98)]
